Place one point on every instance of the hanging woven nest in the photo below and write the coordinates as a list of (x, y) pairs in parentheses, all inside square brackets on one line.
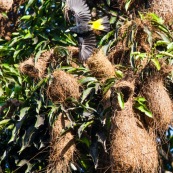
[(159, 103), (100, 66), (63, 86), (43, 61), (62, 147), (133, 149), (120, 53), (27, 67)]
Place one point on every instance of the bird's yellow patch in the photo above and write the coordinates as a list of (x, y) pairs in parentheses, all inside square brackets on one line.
[(97, 25)]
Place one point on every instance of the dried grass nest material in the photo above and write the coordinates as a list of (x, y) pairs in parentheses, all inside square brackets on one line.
[(62, 147), (133, 149), (120, 53), (159, 103), (134, 4), (63, 86), (43, 61), (37, 69), (163, 8), (100, 66), (27, 67), (5, 5)]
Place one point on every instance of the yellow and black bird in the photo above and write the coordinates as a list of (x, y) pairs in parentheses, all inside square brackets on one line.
[(84, 26)]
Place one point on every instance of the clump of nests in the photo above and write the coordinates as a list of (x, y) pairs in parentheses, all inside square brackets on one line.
[(37, 69), (120, 53), (62, 146)]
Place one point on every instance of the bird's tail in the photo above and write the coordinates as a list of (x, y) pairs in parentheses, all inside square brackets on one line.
[(101, 24)]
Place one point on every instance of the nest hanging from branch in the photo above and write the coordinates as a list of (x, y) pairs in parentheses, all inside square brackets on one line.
[(27, 67), (62, 147), (133, 149), (159, 103), (63, 86), (100, 66)]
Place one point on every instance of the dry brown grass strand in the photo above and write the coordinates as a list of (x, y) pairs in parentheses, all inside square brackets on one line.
[(5, 5), (73, 50), (43, 61), (62, 147), (27, 67), (63, 86), (133, 149), (106, 99), (100, 66), (159, 103)]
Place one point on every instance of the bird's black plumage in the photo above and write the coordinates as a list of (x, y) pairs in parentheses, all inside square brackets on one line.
[(80, 10), (86, 45), (84, 26)]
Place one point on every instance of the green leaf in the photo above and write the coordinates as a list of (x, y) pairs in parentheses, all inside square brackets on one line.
[(39, 104), (106, 37), (119, 73), (108, 2), (144, 110), (87, 79), (127, 5), (30, 2), (86, 93), (156, 63), (40, 121), (155, 18), (141, 106), (23, 112), (4, 122), (85, 140), (120, 100), (4, 14), (170, 46), (140, 99), (83, 127), (26, 17), (108, 84)]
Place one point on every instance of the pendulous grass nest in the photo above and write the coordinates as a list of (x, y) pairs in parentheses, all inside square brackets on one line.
[(62, 147), (63, 86), (27, 67), (159, 103), (133, 149), (100, 66)]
